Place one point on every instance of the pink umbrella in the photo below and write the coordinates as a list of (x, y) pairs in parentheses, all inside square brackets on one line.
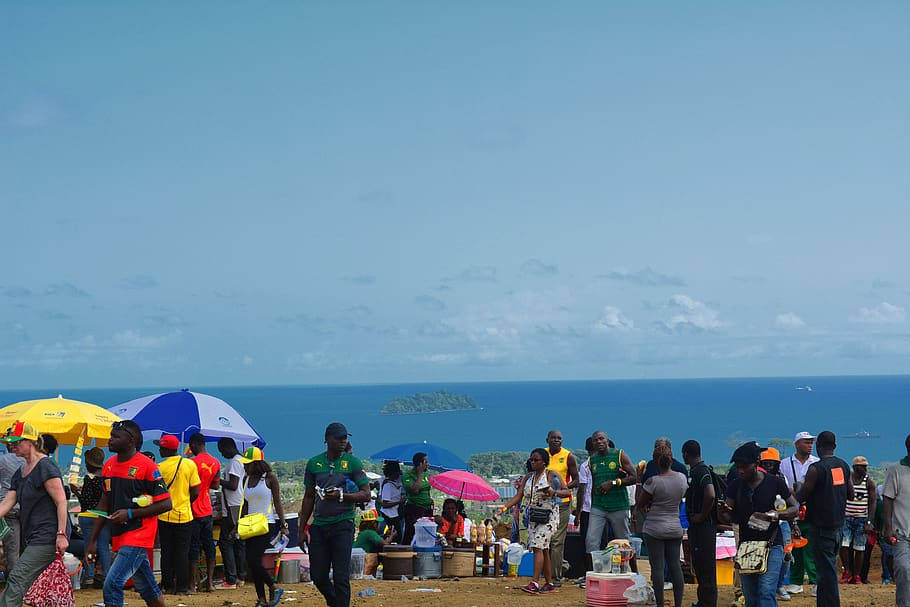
[(464, 485)]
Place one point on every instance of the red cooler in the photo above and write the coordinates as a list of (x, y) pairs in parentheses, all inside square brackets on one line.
[(606, 589)]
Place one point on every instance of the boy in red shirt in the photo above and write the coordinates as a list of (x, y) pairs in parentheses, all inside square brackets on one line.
[(209, 469), (133, 524)]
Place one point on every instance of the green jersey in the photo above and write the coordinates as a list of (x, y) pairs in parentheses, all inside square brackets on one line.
[(422, 498), (343, 473), (605, 468), (369, 540)]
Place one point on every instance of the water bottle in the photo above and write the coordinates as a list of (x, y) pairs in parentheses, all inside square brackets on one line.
[(616, 562), (379, 572), (350, 486), (779, 503), (554, 485), (473, 534), (366, 592), (142, 500)]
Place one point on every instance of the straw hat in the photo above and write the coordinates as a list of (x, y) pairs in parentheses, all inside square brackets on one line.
[(94, 457)]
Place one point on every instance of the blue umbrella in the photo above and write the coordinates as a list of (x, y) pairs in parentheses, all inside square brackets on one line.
[(184, 413), (440, 459)]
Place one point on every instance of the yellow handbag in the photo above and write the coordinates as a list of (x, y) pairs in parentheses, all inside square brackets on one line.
[(253, 525)]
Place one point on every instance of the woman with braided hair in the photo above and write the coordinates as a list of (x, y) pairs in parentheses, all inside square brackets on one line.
[(661, 496)]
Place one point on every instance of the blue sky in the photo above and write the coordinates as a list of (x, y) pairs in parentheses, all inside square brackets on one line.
[(247, 193)]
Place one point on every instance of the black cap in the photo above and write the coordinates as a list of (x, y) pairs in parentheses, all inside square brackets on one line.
[(748, 453), (337, 430)]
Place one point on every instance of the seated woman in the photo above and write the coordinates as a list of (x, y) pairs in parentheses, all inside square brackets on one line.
[(368, 537), (451, 524)]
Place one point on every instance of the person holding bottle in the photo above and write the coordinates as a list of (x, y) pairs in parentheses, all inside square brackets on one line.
[(134, 495), (418, 503), (538, 487)]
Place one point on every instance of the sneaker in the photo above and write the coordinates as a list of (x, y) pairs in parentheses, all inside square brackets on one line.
[(846, 577), (856, 580), (225, 586), (531, 588), (814, 589), (557, 583), (668, 585), (886, 581), (782, 594), (794, 589), (276, 597), (547, 588)]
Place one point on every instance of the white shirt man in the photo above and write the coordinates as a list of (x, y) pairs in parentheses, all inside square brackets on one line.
[(792, 468)]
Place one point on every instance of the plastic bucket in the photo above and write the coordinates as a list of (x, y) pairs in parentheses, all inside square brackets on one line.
[(601, 560), (428, 562), (424, 534)]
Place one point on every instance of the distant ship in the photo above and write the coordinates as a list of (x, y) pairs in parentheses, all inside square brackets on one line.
[(806, 388), (863, 434)]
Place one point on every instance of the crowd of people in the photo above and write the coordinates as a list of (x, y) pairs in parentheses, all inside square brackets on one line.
[(792, 518)]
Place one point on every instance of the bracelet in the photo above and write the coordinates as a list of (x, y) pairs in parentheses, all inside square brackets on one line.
[(619, 482), (63, 533), (129, 514)]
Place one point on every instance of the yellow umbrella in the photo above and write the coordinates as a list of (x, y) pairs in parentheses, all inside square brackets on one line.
[(66, 419)]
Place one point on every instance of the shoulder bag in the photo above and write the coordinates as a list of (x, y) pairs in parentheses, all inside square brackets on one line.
[(253, 525), (535, 514)]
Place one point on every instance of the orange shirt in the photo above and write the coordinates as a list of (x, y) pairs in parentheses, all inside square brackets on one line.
[(122, 482), (209, 468), (446, 528)]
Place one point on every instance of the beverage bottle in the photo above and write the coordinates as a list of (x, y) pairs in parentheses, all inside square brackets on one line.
[(489, 533), (554, 485), (616, 562), (473, 534), (366, 592), (779, 503), (379, 572), (142, 500)]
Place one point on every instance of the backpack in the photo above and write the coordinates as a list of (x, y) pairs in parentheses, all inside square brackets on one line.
[(720, 492)]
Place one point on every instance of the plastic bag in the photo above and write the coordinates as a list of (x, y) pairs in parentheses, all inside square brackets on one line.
[(53, 588), (639, 593)]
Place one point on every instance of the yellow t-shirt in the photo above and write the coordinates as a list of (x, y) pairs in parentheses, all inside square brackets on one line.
[(180, 480)]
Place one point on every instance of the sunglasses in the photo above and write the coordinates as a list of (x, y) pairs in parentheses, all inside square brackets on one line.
[(122, 426)]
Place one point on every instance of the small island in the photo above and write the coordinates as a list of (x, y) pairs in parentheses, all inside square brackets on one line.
[(429, 402)]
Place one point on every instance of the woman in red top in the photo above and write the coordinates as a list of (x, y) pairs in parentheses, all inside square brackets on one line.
[(451, 524)]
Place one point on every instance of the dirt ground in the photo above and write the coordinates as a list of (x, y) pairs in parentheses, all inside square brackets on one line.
[(469, 592)]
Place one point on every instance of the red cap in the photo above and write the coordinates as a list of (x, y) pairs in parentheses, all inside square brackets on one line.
[(168, 441)]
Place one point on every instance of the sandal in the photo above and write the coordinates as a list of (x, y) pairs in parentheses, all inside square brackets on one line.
[(531, 588)]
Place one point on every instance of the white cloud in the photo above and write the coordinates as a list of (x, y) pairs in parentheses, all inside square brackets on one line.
[(133, 339), (691, 315), (883, 313), (613, 320), (535, 267), (247, 360), (646, 277), (789, 320)]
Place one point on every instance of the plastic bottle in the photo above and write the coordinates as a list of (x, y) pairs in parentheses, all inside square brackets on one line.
[(489, 533), (366, 592), (555, 485), (379, 572), (779, 503), (473, 534), (142, 500), (616, 562)]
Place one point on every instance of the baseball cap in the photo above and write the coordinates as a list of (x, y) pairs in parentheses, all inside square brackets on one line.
[(337, 430), (747, 453), (253, 454), (168, 441), (369, 515), (770, 454), (803, 435), (20, 431), (859, 460)]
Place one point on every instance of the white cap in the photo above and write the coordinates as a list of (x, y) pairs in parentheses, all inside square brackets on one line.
[(803, 435)]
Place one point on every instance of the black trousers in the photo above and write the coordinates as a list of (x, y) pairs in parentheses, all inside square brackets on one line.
[(255, 548), (702, 547), (175, 555), (330, 548)]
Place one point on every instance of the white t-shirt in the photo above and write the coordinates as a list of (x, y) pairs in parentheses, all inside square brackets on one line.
[(233, 467), (897, 487), (584, 477), (789, 465), (391, 492)]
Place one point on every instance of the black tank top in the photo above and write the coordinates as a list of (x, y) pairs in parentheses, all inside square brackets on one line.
[(826, 505)]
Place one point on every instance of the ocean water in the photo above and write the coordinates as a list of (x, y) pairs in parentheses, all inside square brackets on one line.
[(719, 413)]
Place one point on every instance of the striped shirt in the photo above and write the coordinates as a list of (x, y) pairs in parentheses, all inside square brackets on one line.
[(858, 507)]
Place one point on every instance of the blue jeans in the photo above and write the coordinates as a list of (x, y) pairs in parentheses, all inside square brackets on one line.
[(330, 547), (760, 590), (825, 544), (786, 537), (103, 546), (131, 562), (854, 533)]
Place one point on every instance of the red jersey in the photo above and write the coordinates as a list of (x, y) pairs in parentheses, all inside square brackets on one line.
[(209, 468), (122, 482)]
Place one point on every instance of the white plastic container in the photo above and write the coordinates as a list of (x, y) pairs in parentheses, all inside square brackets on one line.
[(358, 556), (424, 534), (513, 558)]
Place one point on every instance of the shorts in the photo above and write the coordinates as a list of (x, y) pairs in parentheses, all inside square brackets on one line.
[(854, 533), (201, 538)]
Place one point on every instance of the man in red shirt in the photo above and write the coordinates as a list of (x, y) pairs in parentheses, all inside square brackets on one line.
[(209, 469), (134, 495)]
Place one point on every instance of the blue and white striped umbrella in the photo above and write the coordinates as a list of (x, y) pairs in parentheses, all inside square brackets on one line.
[(184, 413)]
